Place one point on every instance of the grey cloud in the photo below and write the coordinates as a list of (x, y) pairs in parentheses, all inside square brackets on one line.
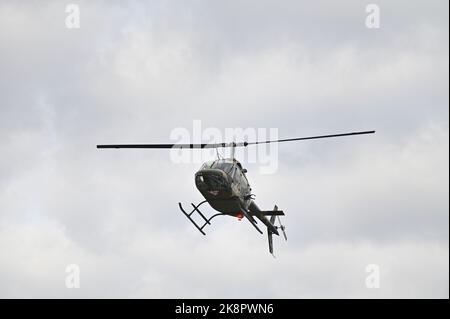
[(134, 72)]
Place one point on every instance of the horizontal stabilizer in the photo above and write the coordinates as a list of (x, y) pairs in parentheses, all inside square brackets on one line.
[(272, 213)]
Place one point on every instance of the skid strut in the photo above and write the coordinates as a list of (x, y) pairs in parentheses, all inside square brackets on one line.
[(207, 221)]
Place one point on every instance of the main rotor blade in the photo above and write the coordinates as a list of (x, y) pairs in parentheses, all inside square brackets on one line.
[(305, 138), (216, 145), (187, 146)]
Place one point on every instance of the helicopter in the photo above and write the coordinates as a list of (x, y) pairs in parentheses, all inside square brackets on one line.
[(224, 185)]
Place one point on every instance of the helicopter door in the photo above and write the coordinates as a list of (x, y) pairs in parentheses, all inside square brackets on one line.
[(241, 181)]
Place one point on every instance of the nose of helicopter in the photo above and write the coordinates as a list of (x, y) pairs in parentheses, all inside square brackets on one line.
[(212, 182)]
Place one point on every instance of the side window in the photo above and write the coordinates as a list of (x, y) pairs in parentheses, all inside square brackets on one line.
[(237, 175), (233, 172), (244, 179), (240, 178)]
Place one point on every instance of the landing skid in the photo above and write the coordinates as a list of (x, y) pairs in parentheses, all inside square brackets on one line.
[(207, 221)]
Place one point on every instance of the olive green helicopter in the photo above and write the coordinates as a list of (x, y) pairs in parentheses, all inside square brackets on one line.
[(224, 185)]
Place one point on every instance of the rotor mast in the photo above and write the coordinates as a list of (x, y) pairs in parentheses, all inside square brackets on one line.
[(232, 145)]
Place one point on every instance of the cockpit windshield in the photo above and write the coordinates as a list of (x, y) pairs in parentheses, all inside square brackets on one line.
[(224, 166), (219, 164), (206, 165)]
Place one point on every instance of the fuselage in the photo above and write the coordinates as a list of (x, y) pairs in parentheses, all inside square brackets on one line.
[(225, 187)]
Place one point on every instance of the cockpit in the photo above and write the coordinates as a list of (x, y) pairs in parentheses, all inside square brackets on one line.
[(216, 177), (224, 165)]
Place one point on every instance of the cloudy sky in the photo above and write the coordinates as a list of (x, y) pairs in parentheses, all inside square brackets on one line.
[(132, 73)]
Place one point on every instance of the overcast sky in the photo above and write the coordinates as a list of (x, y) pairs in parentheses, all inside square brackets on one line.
[(134, 72)]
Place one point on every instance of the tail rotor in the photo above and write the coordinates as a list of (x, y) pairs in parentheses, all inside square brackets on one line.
[(282, 227), (270, 231)]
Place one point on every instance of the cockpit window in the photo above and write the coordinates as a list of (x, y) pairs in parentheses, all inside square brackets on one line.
[(206, 165), (224, 166)]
